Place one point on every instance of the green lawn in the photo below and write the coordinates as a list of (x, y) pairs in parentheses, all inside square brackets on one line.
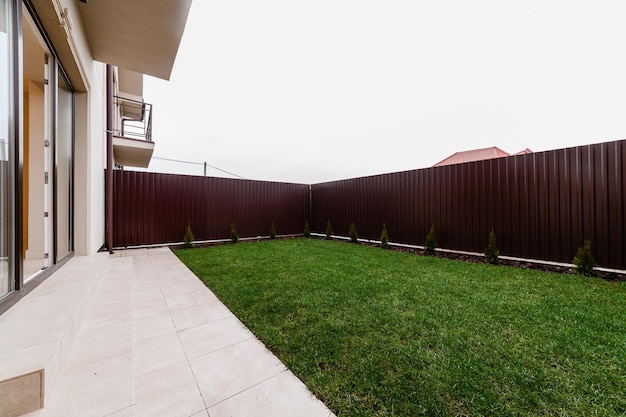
[(384, 333)]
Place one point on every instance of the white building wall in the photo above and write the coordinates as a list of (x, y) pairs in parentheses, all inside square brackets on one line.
[(90, 140), (90, 162)]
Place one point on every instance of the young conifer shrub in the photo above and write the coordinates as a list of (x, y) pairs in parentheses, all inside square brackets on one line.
[(234, 237), (384, 238), (329, 230), (431, 241), (273, 231), (354, 236), (188, 239), (584, 260), (492, 253), (307, 231)]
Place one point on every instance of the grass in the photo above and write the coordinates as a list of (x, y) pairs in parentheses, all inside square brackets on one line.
[(384, 333)]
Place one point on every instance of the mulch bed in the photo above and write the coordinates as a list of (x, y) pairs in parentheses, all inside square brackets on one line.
[(610, 276)]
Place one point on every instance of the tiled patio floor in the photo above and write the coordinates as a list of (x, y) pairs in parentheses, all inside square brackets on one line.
[(156, 342)]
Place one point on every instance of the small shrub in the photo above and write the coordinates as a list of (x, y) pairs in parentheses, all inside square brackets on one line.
[(384, 238), (329, 230), (431, 241), (273, 231), (491, 251), (188, 239), (234, 237), (354, 236), (584, 260), (307, 231)]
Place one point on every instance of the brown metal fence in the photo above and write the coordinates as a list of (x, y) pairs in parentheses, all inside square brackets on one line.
[(152, 208), (541, 205)]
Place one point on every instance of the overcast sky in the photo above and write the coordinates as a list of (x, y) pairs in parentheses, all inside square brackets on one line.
[(313, 91)]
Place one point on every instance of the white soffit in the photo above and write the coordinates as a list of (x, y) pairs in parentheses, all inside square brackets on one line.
[(130, 82), (139, 35)]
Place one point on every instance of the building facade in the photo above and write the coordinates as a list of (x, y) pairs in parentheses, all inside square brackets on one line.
[(71, 105)]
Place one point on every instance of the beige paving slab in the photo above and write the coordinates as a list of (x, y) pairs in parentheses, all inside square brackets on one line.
[(197, 315), (149, 305), (127, 412), (181, 296), (150, 325), (213, 336), (97, 343), (94, 390), (156, 353), (108, 315), (281, 396), (171, 392), (203, 413), (233, 369)]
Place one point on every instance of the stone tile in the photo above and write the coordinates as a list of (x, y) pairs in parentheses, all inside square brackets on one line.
[(126, 412), (180, 296), (118, 295), (107, 315), (97, 343), (29, 359), (226, 372), (169, 392), (157, 353), (281, 396), (93, 390), (24, 332), (203, 413), (210, 337), (150, 325), (149, 303), (185, 318), (133, 253)]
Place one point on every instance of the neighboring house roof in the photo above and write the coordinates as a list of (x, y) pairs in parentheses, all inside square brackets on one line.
[(477, 155), (473, 155), (524, 152)]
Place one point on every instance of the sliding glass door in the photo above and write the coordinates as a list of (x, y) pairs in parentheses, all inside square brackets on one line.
[(36, 152), (38, 109), (6, 189)]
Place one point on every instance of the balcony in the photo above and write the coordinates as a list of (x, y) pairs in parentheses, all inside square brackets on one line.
[(132, 136)]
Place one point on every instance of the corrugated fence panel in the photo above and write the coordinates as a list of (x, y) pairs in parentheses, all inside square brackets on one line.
[(152, 208), (615, 175), (541, 205)]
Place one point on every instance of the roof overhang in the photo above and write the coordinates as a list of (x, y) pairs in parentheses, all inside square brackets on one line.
[(140, 35)]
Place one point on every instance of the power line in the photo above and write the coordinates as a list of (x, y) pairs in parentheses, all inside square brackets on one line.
[(199, 163)]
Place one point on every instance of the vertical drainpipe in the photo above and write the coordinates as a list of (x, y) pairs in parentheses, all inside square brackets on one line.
[(109, 177)]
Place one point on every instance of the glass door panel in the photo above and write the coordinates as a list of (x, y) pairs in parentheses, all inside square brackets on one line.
[(6, 280), (64, 170), (37, 134)]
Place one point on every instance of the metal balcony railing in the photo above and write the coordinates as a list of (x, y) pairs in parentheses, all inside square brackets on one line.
[(134, 119)]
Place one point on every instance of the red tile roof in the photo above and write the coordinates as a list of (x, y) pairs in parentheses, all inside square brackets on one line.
[(474, 155), (524, 152)]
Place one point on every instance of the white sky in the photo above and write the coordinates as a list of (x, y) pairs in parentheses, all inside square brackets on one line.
[(313, 91)]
